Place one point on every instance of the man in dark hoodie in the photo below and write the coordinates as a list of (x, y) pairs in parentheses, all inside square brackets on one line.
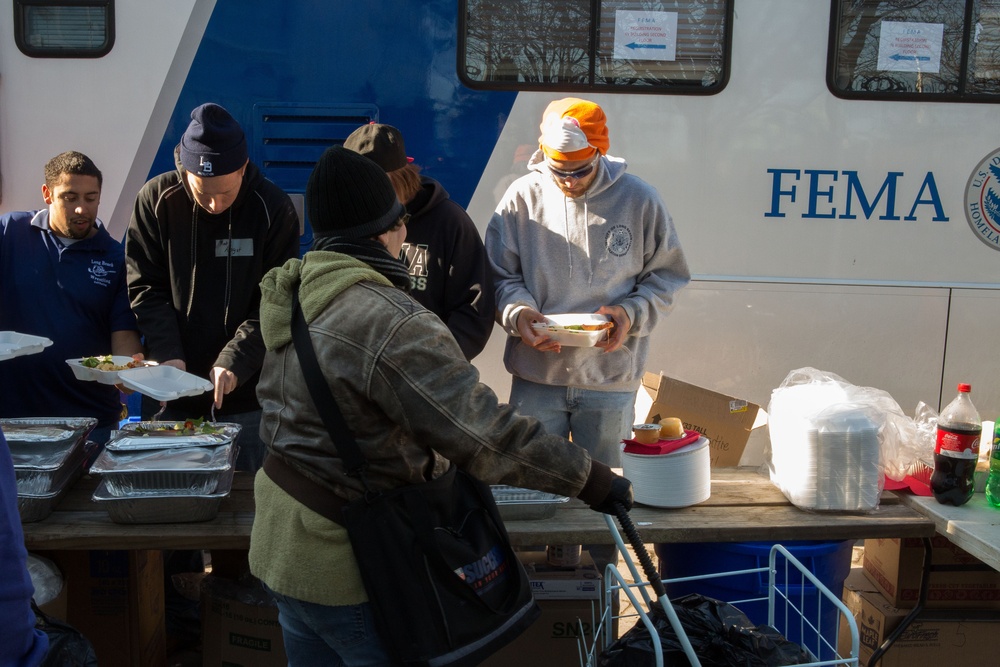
[(444, 254), (200, 240)]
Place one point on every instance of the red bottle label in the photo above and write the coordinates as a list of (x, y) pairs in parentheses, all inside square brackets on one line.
[(958, 444)]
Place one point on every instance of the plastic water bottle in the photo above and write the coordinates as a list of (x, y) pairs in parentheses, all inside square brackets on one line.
[(956, 451), (993, 481)]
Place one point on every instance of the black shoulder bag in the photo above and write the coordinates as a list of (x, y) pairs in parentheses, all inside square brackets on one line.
[(444, 583)]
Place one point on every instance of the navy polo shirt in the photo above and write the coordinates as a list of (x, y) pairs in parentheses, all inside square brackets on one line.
[(76, 296)]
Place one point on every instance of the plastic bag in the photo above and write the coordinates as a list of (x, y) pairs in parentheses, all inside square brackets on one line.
[(67, 645), (832, 443), (45, 577), (720, 634)]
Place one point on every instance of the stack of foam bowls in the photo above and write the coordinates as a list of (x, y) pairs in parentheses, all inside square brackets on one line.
[(831, 462), (678, 479)]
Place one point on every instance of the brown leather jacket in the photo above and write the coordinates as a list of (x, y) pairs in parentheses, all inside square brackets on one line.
[(405, 390)]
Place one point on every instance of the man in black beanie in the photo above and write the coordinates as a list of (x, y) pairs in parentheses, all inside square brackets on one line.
[(414, 405), (200, 239)]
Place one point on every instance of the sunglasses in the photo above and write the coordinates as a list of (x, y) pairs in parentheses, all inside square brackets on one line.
[(573, 175)]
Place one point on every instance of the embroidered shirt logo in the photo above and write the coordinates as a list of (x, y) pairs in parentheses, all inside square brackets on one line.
[(101, 272), (618, 240), (205, 166), (982, 200)]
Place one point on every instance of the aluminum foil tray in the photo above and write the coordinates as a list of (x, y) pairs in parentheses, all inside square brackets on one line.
[(517, 504), (37, 507), (40, 474), (164, 508), (45, 435), (178, 471), (128, 439)]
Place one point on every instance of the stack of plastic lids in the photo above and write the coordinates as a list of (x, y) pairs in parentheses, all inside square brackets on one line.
[(831, 462), (679, 478)]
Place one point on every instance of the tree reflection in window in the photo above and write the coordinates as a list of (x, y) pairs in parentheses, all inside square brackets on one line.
[(969, 63), (567, 44)]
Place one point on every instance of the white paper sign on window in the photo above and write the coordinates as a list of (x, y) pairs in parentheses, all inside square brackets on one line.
[(645, 35), (910, 47)]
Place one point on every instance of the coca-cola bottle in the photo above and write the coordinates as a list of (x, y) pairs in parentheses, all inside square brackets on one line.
[(957, 450)]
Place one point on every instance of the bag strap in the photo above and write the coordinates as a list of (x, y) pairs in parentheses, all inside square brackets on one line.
[(312, 494), (326, 405)]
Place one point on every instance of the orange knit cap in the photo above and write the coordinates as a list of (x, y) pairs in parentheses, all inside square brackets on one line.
[(573, 129)]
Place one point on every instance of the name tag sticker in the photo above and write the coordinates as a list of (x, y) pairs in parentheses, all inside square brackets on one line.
[(238, 248)]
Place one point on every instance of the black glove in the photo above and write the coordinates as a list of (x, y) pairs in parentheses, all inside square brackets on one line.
[(620, 492)]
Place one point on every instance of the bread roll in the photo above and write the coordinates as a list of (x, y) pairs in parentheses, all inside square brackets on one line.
[(671, 428)]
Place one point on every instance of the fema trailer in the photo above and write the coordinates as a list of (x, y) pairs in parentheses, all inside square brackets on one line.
[(832, 166)]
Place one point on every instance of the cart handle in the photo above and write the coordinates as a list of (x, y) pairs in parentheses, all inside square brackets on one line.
[(652, 576)]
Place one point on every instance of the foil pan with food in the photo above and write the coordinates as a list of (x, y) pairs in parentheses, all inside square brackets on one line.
[(168, 435)]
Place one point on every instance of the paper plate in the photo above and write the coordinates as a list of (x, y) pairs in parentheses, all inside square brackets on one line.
[(679, 479), (164, 383), (554, 327), (104, 377), (14, 344)]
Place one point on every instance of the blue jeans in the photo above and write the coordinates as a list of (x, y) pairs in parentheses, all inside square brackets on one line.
[(597, 420), (318, 635)]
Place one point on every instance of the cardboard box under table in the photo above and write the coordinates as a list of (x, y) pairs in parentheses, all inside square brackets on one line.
[(239, 625), (725, 420), (936, 637), (957, 579), (570, 600)]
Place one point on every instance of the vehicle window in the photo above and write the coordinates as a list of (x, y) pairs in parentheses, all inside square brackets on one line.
[(671, 46), (64, 29), (946, 50)]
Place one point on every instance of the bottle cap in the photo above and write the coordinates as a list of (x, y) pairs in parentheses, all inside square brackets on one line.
[(964, 387)]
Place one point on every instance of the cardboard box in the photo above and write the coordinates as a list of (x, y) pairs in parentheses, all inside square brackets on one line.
[(115, 599), (725, 420), (239, 625), (894, 566), (934, 638), (549, 582), (570, 600), (555, 638)]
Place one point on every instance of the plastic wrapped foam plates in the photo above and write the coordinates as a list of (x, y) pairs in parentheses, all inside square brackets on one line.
[(678, 479)]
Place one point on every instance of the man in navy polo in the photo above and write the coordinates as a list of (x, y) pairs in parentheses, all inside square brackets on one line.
[(62, 276)]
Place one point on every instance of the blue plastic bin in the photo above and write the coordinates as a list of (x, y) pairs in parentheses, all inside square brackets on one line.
[(830, 562)]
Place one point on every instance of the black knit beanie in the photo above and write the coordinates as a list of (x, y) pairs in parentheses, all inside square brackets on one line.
[(349, 195), (213, 143)]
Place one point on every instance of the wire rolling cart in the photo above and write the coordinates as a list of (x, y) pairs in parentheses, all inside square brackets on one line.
[(786, 601)]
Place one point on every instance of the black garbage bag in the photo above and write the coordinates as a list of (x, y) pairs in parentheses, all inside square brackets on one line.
[(720, 634), (67, 645)]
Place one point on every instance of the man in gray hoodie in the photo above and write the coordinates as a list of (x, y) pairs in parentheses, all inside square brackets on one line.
[(578, 234)]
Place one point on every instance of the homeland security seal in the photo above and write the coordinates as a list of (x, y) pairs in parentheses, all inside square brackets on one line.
[(982, 200), (618, 240)]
